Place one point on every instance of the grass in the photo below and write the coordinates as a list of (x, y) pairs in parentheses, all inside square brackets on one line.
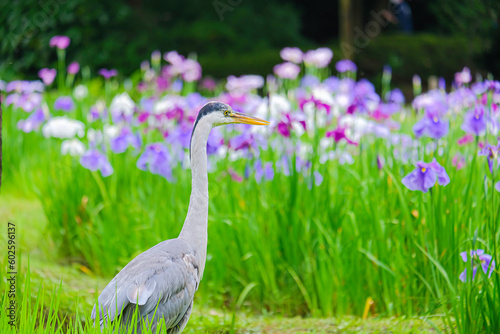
[(63, 293)]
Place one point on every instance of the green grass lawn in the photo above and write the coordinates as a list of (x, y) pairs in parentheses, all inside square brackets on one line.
[(76, 287)]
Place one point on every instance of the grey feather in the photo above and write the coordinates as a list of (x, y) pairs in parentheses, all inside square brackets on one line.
[(166, 276)]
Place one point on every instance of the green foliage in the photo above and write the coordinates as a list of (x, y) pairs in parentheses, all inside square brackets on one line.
[(114, 34), (472, 18)]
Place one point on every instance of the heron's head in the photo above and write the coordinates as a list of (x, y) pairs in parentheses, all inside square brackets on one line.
[(218, 113)]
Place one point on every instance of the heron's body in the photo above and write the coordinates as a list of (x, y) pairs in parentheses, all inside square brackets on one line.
[(160, 283)]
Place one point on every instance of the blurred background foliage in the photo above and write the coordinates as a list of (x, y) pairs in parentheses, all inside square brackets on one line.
[(242, 36)]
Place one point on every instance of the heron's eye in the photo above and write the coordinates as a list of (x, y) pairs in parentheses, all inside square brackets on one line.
[(226, 113)]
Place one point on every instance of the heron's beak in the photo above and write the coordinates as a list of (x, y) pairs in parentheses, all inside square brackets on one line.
[(246, 119)]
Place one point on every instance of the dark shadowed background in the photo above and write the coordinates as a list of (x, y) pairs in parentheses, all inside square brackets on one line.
[(245, 36)]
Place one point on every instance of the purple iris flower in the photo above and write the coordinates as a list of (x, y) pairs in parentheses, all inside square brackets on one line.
[(319, 58), (293, 55), (215, 141), (493, 155), (463, 77), (269, 171), (287, 70), (317, 103), (60, 42), (395, 96), (283, 165), (318, 178), (157, 159), (309, 81), (23, 86), (380, 161), (47, 75), (365, 98), (209, 84), (425, 175), (244, 83), (475, 121), (95, 160), (345, 65), (108, 73), (242, 141), (442, 83), (432, 126), (33, 122), (180, 135), (97, 111), (477, 258), (73, 68), (338, 134), (64, 103), (125, 138), (26, 101), (332, 83)]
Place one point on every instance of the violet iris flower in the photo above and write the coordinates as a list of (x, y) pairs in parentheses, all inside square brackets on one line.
[(477, 258), (267, 171), (125, 138), (95, 160), (425, 176), (180, 135), (64, 103), (293, 55), (47, 75), (33, 122), (319, 58), (318, 178), (108, 73), (493, 155), (475, 121), (345, 65), (27, 101), (338, 134), (287, 70), (365, 98), (157, 159), (317, 103), (395, 96), (432, 126), (244, 83), (309, 81), (191, 70), (242, 141), (463, 77), (60, 42), (73, 68), (23, 86)]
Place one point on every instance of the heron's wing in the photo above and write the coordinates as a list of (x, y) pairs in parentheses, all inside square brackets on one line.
[(165, 276)]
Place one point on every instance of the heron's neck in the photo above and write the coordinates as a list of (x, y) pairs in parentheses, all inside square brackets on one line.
[(194, 230)]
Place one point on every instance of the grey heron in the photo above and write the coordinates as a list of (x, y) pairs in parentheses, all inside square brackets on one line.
[(161, 282)]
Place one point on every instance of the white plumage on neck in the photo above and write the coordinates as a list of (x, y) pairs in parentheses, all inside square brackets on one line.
[(195, 226)]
